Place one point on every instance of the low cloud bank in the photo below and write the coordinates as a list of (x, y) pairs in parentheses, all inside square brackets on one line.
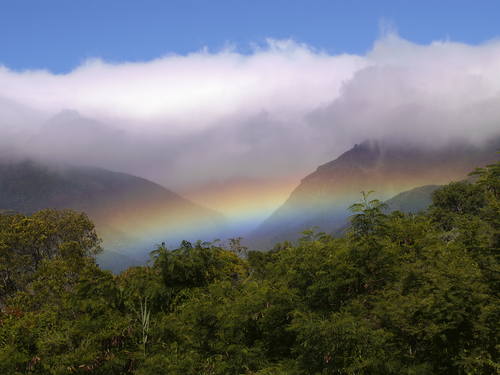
[(189, 121)]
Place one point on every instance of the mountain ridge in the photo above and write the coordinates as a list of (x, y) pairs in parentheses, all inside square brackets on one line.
[(322, 198), (131, 213)]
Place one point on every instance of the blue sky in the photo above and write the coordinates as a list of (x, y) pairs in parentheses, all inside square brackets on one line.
[(58, 35)]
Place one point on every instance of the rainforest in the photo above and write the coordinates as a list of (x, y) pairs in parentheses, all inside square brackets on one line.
[(396, 293)]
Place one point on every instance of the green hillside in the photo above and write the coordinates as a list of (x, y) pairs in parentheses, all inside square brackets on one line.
[(414, 200)]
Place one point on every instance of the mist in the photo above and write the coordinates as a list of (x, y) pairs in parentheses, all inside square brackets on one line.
[(191, 122)]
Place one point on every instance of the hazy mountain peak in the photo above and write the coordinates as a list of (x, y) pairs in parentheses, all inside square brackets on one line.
[(66, 114), (131, 213), (362, 154), (323, 197)]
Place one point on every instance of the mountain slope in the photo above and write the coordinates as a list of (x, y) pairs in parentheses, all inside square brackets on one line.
[(131, 214), (412, 201), (322, 198)]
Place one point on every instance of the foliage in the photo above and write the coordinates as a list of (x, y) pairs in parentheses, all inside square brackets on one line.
[(398, 294), (26, 241)]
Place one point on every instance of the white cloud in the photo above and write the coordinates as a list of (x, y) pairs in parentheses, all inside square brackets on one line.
[(192, 91), (277, 112)]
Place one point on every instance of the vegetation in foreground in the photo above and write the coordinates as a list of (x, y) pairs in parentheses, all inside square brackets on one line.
[(398, 294)]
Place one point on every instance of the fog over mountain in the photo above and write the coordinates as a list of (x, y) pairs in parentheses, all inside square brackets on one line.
[(208, 119), (391, 172), (132, 215)]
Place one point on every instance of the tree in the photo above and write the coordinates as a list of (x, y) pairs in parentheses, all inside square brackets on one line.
[(369, 216), (25, 241)]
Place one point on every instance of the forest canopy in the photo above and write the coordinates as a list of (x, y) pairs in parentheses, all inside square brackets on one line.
[(397, 294)]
